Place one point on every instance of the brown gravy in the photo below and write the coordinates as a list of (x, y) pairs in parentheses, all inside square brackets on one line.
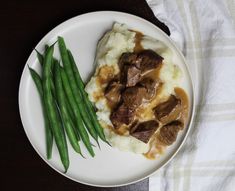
[(105, 74), (138, 37), (180, 93), (156, 147)]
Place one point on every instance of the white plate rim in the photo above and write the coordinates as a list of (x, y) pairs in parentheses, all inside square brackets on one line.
[(190, 121)]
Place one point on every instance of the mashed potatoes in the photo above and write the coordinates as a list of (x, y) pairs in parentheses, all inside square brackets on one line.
[(109, 50)]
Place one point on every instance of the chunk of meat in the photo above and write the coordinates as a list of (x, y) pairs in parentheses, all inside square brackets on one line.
[(127, 58), (147, 61), (130, 75), (133, 65), (133, 96), (151, 86), (169, 110), (169, 132), (144, 130), (113, 93), (122, 115)]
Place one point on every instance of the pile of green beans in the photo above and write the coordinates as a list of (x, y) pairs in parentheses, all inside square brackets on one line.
[(67, 109), (51, 107), (76, 94), (87, 102)]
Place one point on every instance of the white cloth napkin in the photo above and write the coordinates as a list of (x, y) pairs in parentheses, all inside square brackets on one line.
[(205, 32)]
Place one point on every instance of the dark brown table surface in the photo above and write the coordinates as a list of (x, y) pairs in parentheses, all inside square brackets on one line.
[(23, 24)]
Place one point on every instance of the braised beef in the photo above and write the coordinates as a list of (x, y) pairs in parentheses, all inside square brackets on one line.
[(130, 75), (133, 65), (127, 58), (144, 130), (148, 60), (133, 96), (168, 133), (168, 110), (151, 86), (122, 115), (113, 92)]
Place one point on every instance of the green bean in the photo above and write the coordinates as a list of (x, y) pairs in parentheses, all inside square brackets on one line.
[(79, 124), (49, 135), (88, 104), (76, 72), (51, 107), (46, 47), (72, 117), (61, 100), (75, 89), (41, 60), (52, 86), (69, 110), (40, 57)]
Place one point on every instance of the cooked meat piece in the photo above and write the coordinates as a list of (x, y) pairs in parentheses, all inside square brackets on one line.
[(168, 133), (133, 96), (134, 65), (127, 58), (168, 110), (148, 60), (144, 130), (122, 115), (113, 93), (144, 60), (151, 86), (130, 75)]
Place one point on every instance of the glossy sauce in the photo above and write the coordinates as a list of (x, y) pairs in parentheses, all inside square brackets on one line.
[(156, 147), (105, 74), (180, 93), (98, 95), (138, 39), (123, 130)]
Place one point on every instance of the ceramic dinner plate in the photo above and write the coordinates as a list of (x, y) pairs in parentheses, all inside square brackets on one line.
[(109, 167)]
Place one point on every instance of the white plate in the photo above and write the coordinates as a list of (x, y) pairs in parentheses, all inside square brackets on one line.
[(110, 167)]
